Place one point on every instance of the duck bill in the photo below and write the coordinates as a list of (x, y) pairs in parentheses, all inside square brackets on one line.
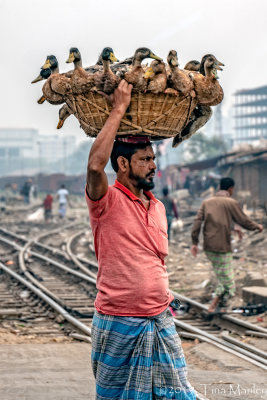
[(39, 78), (152, 55), (149, 72), (71, 58), (113, 58), (46, 65), (174, 62)]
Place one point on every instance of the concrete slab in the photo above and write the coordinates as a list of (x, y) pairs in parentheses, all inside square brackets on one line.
[(254, 278), (62, 371), (46, 371), (255, 294)]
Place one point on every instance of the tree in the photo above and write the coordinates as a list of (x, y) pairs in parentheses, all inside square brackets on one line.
[(200, 147)]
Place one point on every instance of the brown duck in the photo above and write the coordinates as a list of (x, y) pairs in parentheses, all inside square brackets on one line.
[(81, 80), (56, 85), (192, 65), (179, 80), (208, 90), (106, 81), (203, 112), (157, 77), (135, 75)]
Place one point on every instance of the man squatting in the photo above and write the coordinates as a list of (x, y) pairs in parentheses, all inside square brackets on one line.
[(218, 215), (136, 352)]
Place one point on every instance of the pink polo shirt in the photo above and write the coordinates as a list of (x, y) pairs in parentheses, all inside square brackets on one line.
[(131, 244)]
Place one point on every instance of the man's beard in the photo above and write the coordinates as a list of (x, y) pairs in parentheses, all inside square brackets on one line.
[(142, 183)]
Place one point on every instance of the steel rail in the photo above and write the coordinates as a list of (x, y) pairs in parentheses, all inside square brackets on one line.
[(201, 338), (82, 327), (234, 320), (179, 323), (22, 251), (74, 258), (245, 346), (231, 348), (50, 248)]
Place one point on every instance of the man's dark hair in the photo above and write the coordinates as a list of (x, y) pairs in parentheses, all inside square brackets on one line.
[(126, 150), (226, 183), (165, 191)]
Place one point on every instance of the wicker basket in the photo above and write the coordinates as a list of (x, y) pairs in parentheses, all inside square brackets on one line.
[(157, 115)]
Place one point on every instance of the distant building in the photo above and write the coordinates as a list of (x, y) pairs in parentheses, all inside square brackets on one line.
[(24, 149), (250, 113)]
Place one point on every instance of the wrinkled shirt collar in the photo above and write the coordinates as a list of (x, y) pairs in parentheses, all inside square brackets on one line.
[(132, 196), (222, 193)]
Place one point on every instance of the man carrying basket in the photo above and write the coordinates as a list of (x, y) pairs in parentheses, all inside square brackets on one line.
[(136, 351)]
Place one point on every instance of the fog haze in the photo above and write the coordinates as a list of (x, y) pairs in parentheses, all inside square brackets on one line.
[(234, 31)]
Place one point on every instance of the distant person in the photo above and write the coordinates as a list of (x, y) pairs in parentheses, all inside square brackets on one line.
[(25, 191), (34, 191), (62, 195), (218, 214), (170, 207), (48, 201), (2, 203)]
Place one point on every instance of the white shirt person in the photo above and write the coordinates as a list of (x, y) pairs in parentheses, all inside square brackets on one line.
[(62, 195)]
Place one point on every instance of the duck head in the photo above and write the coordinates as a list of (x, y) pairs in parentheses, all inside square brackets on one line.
[(156, 67), (74, 55), (51, 62), (172, 58), (108, 55), (44, 74), (210, 61), (143, 52), (192, 65)]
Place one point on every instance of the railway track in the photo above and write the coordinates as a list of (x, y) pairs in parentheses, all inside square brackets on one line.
[(60, 288)]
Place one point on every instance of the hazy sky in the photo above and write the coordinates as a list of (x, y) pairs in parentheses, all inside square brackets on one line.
[(235, 31)]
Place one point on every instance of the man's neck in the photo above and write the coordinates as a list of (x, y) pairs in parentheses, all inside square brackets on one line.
[(130, 186)]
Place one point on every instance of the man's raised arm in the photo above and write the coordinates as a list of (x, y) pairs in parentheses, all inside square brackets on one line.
[(97, 183)]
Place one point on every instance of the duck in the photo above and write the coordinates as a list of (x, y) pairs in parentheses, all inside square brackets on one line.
[(56, 86), (135, 74), (202, 112), (81, 80), (106, 81), (45, 74), (217, 91), (199, 117), (178, 80), (59, 82), (192, 65), (64, 112), (157, 77)]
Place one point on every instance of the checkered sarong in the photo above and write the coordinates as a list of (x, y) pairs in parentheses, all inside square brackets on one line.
[(138, 358), (223, 269)]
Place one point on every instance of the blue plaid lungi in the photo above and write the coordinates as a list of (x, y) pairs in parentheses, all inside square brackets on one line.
[(138, 358)]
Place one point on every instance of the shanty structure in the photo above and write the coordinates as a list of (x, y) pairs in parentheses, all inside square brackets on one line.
[(247, 167), (250, 114)]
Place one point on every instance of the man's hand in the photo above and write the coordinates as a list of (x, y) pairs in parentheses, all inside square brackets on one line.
[(121, 97), (239, 232), (260, 228), (194, 250)]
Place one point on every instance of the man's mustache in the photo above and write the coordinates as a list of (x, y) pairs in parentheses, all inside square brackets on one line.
[(150, 173)]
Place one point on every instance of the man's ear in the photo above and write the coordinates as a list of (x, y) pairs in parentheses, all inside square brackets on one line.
[(123, 163)]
